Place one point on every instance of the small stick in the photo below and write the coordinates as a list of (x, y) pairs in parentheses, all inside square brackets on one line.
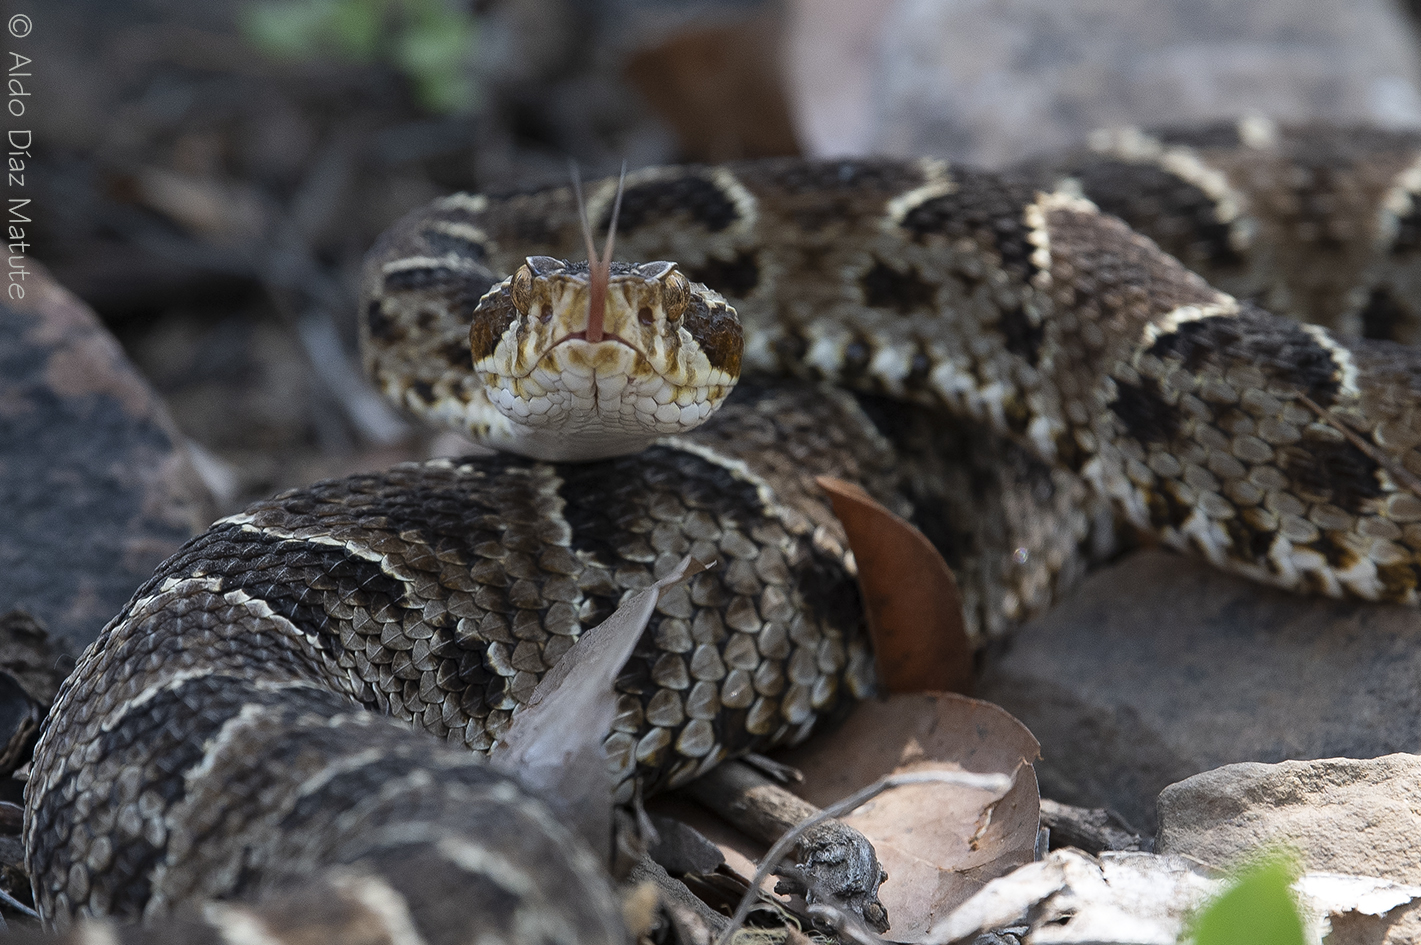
[(17, 905), (1402, 476), (838, 865)]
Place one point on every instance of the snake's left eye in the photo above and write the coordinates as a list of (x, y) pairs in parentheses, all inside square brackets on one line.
[(522, 289), (675, 295)]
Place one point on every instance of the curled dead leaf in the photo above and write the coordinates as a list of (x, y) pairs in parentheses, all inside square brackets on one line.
[(911, 600), (939, 843)]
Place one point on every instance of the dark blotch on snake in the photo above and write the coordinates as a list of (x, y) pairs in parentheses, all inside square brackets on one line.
[(174, 725), (1180, 216), (1022, 337), (904, 292), (442, 243), (1331, 471), (420, 277), (718, 331), (265, 568), (1145, 414), (736, 277), (490, 320), (1249, 545), (985, 207), (1283, 350), (382, 328), (457, 352), (1381, 315), (1338, 556), (1218, 135), (819, 177), (702, 200)]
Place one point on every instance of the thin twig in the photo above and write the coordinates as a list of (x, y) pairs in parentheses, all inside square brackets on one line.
[(8, 900), (997, 783), (844, 923), (1402, 476)]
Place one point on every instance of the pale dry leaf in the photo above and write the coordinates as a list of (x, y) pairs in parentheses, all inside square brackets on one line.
[(911, 599), (1143, 899), (940, 844), (1136, 898), (1336, 893), (554, 743)]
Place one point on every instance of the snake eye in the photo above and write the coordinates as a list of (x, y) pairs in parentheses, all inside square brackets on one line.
[(675, 295), (522, 289)]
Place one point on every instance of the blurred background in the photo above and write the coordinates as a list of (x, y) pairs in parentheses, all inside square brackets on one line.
[(207, 176)]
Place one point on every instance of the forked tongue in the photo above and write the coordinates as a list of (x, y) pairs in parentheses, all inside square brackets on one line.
[(599, 267)]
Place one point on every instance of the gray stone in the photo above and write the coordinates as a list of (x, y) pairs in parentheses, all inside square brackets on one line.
[(1342, 815), (95, 486), (1345, 815), (1160, 667), (991, 83)]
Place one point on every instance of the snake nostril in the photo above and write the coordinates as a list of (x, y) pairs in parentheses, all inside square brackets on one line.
[(645, 315)]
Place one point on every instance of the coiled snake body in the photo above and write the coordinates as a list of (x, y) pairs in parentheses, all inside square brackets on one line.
[(1010, 363)]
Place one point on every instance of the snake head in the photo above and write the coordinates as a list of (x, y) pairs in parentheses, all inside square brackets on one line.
[(663, 355)]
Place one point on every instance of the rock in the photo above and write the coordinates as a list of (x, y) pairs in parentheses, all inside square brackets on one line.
[(1160, 667), (30, 656), (991, 83), (95, 486), (1346, 815)]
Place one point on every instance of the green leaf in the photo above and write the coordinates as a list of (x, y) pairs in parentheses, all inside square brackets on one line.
[(355, 27), (430, 41), (1256, 909), (434, 50), (285, 30)]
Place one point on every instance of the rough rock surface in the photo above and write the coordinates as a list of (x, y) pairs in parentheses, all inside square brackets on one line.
[(1160, 667), (990, 83), (95, 488), (1346, 815)]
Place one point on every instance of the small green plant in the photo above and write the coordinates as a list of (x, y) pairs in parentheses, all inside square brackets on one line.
[(1257, 908), (430, 41)]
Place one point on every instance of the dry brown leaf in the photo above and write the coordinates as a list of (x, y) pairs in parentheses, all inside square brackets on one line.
[(911, 600), (940, 844), (719, 87)]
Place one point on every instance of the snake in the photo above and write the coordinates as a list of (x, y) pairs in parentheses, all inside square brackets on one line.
[(1204, 336)]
